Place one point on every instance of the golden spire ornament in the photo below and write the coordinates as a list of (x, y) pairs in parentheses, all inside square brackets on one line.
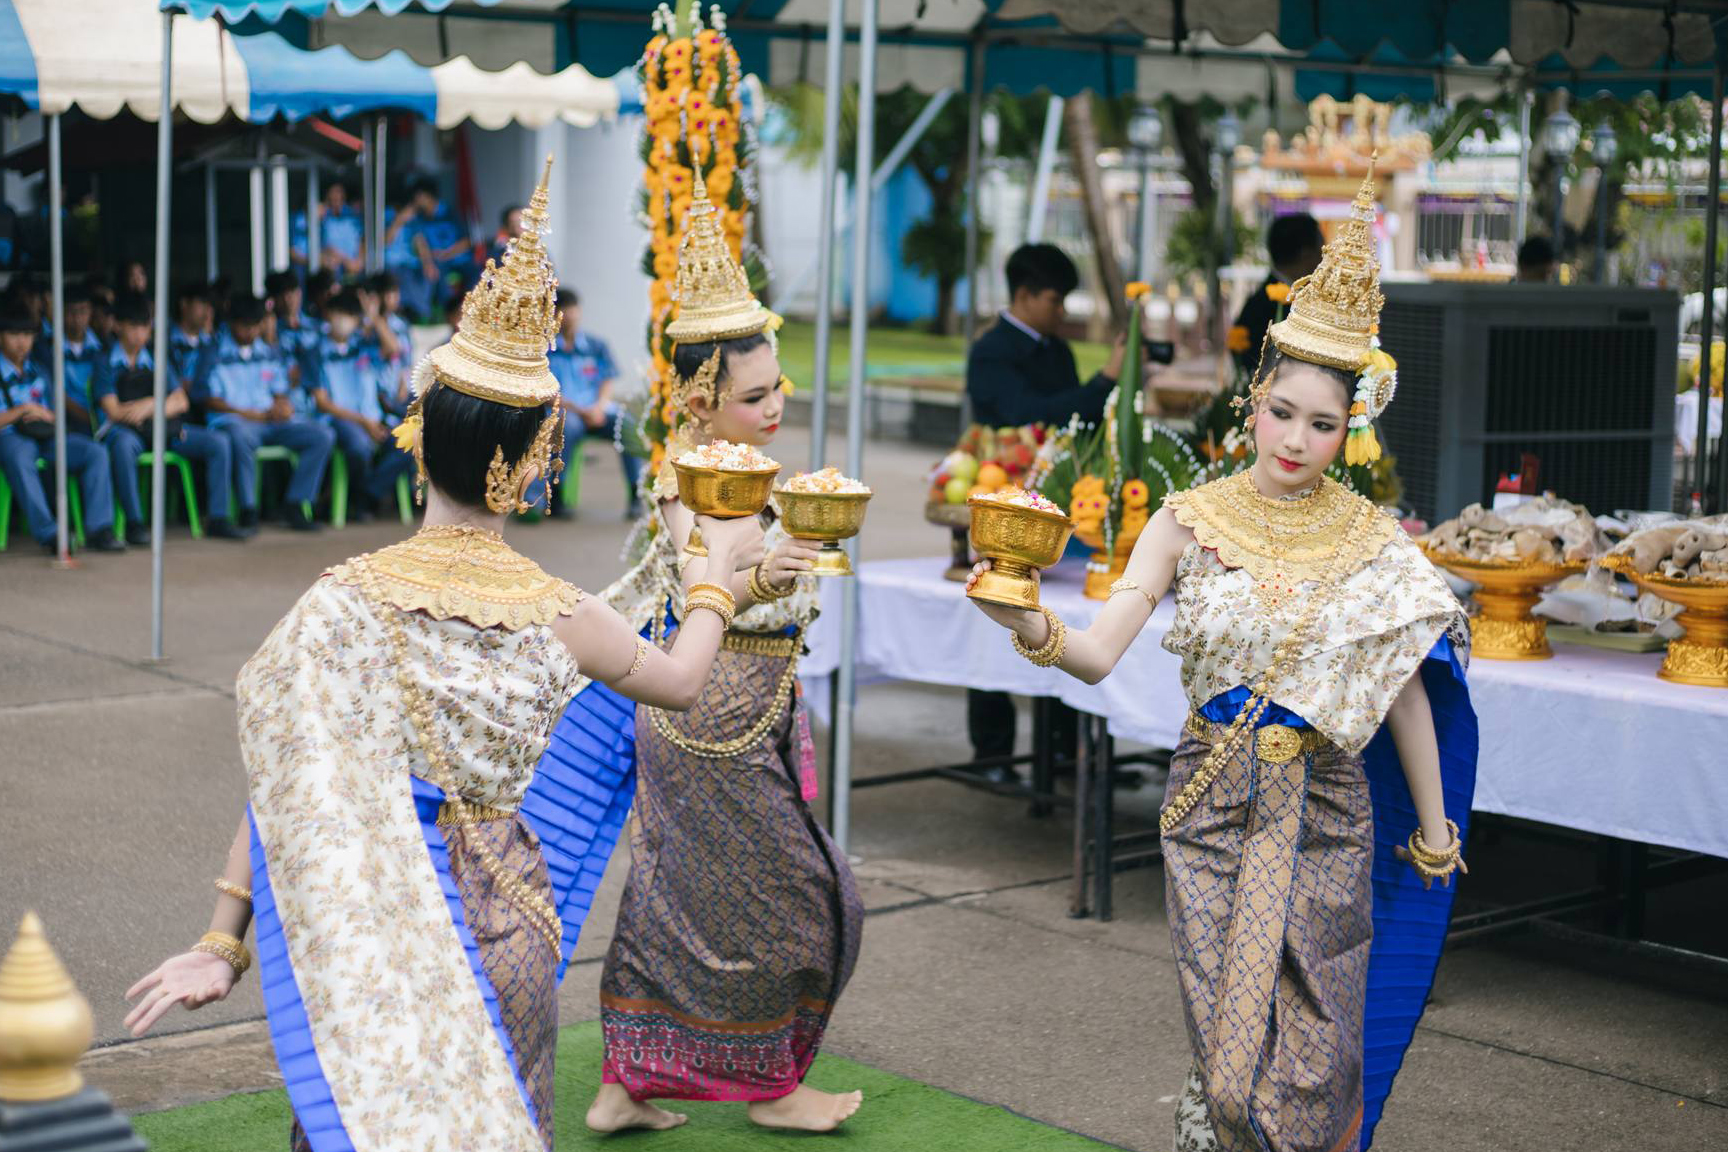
[(509, 320), (45, 1024), (712, 290), (1335, 309)]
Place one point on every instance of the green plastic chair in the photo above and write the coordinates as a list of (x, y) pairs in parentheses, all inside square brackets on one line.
[(570, 483), (184, 467), (74, 509), (265, 454), (339, 493)]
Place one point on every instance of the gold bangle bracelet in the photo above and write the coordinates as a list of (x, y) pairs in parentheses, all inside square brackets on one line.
[(714, 604), (1054, 646), (1127, 585), (765, 593), (719, 590), (225, 947), (229, 888)]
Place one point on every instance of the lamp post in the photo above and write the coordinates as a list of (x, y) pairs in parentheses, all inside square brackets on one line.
[(1146, 134), (1603, 148), (1560, 133), (1227, 137)]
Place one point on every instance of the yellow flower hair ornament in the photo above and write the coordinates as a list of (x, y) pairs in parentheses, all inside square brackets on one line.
[(1375, 388), (407, 432)]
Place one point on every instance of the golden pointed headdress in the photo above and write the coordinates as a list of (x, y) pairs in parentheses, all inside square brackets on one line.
[(1334, 311), (509, 320), (712, 289)]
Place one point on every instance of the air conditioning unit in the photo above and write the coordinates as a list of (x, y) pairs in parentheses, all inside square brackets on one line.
[(1580, 377)]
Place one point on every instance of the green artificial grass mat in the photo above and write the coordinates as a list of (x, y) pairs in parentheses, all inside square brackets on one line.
[(892, 353), (898, 1114)]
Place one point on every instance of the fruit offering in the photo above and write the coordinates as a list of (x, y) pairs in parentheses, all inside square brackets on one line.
[(985, 460)]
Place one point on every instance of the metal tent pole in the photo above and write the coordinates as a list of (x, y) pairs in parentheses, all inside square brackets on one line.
[(1521, 221), (279, 257), (314, 222), (210, 224), (832, 96), (159, 423), (57, 273), (847, 682), (256, 178), (974, 180), (379, 167), (365, 205), (1716, 496), (1040, 203)]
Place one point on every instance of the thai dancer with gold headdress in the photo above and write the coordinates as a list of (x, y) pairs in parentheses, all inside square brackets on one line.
[(740, 920), (417, 872), (1326, 769)]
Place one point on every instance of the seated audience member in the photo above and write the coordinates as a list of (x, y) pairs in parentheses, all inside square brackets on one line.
[(83, 349), (346, 373), (296, 332), (27, 435), (381, 306), (585, 371), (124, 390), (243, 385)]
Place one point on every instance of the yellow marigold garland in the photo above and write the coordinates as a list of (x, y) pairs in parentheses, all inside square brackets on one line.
[(693, 117)]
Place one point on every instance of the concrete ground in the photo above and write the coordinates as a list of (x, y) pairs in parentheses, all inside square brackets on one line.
[(121, 787)]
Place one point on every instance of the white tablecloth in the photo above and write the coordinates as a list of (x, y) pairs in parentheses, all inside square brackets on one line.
[(1590, 740)]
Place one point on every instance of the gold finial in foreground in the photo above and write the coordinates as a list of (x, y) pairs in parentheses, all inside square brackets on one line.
[(45, 1024)]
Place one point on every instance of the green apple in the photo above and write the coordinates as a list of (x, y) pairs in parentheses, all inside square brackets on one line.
[(963, 466), (956, 489)]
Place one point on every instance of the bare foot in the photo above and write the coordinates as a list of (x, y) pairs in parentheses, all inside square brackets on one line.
[(614, 1111), (806, 1109)]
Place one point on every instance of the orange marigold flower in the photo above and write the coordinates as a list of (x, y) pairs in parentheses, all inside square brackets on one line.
[(1278, 293), (1136, 289), (1236, 340)]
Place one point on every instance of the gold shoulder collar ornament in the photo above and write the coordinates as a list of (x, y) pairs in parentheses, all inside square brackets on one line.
[(1330, 532), (466, 573)]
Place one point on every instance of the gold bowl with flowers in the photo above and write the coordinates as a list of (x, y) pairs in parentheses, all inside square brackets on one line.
[(1016, 540), (1701, 656), (1506, 591), (723, 493), (824, 518)]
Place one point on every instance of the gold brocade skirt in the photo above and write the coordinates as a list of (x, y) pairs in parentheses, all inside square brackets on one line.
[(1267, 886)]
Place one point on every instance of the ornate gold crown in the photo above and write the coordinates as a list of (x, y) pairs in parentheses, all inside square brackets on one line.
[(712, 289), (508, 321), (1334, 311)]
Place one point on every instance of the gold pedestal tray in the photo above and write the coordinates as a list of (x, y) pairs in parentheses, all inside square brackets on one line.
[(1104, 568), (825, 518), (1701, 656), (724, 495), (957, 518), (1016, 540), (1506, 590)]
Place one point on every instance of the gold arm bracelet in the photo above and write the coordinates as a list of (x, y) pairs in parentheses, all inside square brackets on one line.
[(765, 593), (229, 888), (1057, 644), (642, 647), (1127, 585), (226, 947)]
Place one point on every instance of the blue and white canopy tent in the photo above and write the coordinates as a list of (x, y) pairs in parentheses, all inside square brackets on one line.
[(108, 56)]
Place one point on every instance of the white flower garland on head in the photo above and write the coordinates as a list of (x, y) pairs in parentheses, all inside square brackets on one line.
[(1376, 386)]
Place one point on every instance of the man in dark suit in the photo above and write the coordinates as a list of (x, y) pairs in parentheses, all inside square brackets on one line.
[(1294, 244), (1020, 372)]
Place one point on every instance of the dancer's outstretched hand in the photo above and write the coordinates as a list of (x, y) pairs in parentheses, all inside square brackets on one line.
[(1403, 854), (192, 979)]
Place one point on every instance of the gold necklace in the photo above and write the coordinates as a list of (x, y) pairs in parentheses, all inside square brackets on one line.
[(1330, 532)]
